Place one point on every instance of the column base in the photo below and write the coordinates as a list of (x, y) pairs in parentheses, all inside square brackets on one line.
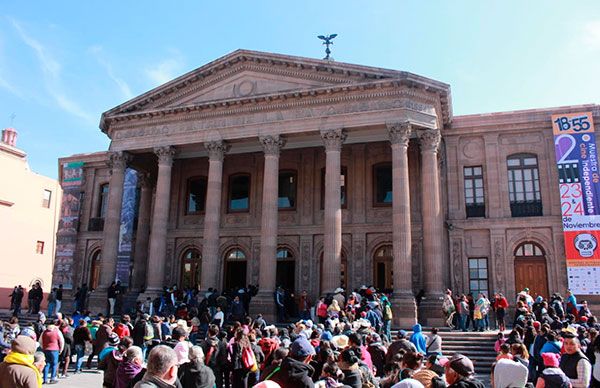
[(264, 303), (404, 310), (430, 311)]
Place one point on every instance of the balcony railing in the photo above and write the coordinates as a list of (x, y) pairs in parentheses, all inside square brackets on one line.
[(526, 209)]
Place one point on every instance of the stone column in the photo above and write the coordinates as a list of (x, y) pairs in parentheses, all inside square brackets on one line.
[(212, 214), (403, 301), (433, 228), (160, 217), (264, 302), (332, 236), (112, 222), (140, 256)]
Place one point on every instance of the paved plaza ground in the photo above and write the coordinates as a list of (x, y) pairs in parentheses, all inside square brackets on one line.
[(87, 379)]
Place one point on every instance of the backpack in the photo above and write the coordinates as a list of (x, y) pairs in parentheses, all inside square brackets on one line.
[(148, 332), (387, 313)]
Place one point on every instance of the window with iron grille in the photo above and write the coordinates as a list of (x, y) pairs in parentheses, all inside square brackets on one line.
[(474, 194), (524, 185)]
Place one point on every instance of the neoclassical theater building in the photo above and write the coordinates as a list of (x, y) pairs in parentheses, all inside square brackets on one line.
[(276, 170)]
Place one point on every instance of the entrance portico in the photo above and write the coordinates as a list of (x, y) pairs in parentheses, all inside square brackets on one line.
[(250, 104)]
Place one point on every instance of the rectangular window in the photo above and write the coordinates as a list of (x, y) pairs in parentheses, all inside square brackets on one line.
[(287, 189), (39, 247), (474, 194), (524, 186), (196, 197), (382, 180), (239, 193), (46, 199), (478, 276), (103, 201)]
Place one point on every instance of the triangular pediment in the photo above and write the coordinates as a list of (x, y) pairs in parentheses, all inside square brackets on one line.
[(243, 83), (243, 73)]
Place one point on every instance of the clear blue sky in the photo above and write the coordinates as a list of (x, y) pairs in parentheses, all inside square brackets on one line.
[(62, 63)]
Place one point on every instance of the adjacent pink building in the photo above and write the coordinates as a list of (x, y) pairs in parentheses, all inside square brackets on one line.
[(270, 169), (29, 212)]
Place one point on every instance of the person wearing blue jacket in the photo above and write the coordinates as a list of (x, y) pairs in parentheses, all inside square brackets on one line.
[(418, 339)]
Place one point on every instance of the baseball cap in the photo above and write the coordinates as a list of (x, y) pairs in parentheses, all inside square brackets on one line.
[(460, 364), (301, 347)]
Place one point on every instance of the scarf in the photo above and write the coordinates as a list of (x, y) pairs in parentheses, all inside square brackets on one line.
[(24, 359)]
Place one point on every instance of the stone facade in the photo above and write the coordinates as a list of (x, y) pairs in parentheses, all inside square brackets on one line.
[(261, 114)]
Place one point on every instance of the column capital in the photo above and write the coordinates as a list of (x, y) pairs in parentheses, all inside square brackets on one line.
[(399, 133), (217, 149), (118, 160), (333, 138), (165, 154), (271, 144), (429, 139)]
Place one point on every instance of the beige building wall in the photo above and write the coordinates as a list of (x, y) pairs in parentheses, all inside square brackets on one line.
[(23, 222)]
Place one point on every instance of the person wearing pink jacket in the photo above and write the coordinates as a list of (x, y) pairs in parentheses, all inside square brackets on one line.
[(52, 343)]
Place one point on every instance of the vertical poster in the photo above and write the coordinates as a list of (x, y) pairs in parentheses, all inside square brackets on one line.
[(66, 235), (579, 184), (128, 216)]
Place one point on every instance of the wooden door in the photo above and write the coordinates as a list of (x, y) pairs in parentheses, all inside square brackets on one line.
[(531, 273), (383, 274), (95, 270)]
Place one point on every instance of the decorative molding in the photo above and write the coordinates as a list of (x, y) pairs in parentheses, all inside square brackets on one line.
[(217, 150), (429, 140), (333, 139), (165, 154), (400, 99), (271, 145), (499, 272), (457, 265), (399, 133)]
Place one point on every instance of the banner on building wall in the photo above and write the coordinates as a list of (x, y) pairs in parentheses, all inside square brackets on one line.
[(66, 235), (579, 184), (128, 216)]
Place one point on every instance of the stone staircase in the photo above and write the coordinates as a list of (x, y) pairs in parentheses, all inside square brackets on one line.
[(478, 346)]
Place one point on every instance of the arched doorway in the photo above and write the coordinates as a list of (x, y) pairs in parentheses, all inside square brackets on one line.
[(530, 269), (286, 269), (343, 272), (383, 268), (235, 269), (190, 268), (95, 269)]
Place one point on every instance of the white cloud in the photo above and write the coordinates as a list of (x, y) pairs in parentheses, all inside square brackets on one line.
[(591, 34), (121, 84), (4, 84), (164, 71), (51, 69)]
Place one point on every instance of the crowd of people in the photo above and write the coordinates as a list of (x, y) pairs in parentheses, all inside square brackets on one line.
[(184, 338)]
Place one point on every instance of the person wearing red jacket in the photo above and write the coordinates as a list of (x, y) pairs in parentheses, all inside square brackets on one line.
[(500, 306), (122, 330)]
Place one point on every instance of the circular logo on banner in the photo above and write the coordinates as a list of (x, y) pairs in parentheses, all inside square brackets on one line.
[(586, 244)]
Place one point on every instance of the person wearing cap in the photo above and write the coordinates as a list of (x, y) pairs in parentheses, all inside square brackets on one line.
[(111, 356), (18, 368), (459, 371), (575, 364), (552, 376), (295, 371)]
